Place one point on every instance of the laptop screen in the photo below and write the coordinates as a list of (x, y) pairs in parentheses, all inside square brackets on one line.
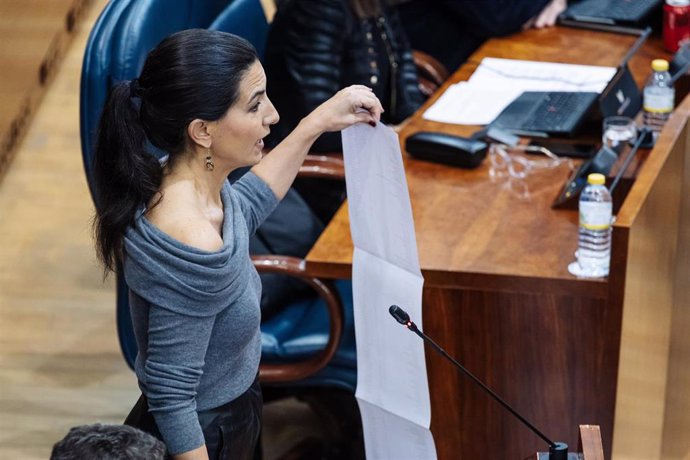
[(622, 96)]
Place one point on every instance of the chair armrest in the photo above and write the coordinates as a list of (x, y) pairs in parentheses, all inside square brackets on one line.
[(328, 166), (321, 166), (426, 87), (431, 72), (293, 266)]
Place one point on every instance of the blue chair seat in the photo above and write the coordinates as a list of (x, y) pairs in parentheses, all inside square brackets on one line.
[(301, 330)]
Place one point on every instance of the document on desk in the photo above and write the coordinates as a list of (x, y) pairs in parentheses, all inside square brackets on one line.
[(497, 82), (392, 388)]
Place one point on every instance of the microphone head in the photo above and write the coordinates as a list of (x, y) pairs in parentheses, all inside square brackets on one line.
[(399, 314)]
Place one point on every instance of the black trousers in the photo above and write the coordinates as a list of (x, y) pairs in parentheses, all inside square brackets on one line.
[(231, 431)]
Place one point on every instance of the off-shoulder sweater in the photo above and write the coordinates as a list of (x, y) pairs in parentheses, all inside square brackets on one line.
[(196, 314)]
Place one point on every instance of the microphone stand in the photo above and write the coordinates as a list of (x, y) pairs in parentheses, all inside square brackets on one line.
[(557, 450)]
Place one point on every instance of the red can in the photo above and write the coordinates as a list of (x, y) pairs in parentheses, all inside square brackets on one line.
[(676, 23)]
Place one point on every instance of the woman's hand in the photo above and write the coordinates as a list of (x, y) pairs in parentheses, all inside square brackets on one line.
[(549, 14), (351, 105), (355, 104)]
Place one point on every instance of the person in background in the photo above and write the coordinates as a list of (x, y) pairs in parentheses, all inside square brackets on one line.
[(316, 47), (107, 442), (180, 231), (451, 30)]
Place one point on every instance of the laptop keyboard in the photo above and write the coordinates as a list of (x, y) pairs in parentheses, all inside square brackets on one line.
[(558, 111), (619, 10)]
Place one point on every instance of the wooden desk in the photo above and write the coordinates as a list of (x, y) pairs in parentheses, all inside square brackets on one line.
[(499, 298)]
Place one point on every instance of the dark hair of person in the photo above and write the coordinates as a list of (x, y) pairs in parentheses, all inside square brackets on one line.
[(191, 74), (365, 9), (108, 442)]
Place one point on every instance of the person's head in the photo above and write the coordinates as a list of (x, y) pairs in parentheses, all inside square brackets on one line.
[(108, 442), (190, 101)]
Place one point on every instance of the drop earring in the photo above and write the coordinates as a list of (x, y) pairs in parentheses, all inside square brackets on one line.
[(209, 161)]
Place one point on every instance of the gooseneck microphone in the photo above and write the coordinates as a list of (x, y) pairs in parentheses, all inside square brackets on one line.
[(557, 450)]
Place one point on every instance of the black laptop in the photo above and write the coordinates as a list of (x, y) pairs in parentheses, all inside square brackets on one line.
[(560, 114), (609, 13)]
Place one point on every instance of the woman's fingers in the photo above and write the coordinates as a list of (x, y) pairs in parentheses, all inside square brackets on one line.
[(366, 100), (550, 13)]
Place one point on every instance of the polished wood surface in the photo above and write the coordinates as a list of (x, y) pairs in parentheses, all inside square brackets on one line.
[(498, 295), (590, 443), (60, 363), (651, 251), (471, 230), (34, 36)]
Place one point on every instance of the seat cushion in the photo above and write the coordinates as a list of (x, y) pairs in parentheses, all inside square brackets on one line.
[(302, 329)]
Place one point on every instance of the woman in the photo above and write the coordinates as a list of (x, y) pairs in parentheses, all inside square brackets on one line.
[(181, 231), (316, 47)]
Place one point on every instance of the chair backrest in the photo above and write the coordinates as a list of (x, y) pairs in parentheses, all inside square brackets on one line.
[(116, 49), (247, 19)]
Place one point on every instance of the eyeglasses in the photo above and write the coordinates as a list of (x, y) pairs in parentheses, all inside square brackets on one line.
[(514, 162), (513, 165)]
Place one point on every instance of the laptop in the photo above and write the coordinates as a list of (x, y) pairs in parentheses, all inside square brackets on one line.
[(613, 15), (560, 114)]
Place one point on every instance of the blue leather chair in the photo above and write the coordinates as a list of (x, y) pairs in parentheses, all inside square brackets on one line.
[(301, 343), (247, 19)]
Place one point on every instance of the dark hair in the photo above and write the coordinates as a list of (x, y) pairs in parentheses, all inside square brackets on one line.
[(191, 74), (108, 442), (365, 9)]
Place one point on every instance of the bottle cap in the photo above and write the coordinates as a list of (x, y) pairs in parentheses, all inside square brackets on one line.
[(659, 65), (596, 179)]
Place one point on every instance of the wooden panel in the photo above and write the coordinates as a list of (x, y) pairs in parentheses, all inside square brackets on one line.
[(60, 363), (34, 35), (676, 435), (548, 356), (590, 443), (648, 227)]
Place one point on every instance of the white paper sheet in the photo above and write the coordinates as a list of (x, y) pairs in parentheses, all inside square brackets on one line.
[(497, 82), (387, 436), (379, 203), (391, 370), (541, 76), (392, 384), (466, 104)]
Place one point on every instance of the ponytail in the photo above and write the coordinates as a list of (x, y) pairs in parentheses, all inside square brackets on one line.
[(125, 175)]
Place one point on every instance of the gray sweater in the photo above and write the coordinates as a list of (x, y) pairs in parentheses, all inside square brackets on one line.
[(196, 314)]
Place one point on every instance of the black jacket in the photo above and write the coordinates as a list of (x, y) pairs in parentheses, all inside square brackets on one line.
[(451, 30), (317, 47)]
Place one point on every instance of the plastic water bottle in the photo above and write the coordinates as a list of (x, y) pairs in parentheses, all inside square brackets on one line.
[(659, 96), (594, 245)]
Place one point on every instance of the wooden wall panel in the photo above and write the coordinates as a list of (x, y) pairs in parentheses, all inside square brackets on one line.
[(676, 434), (548, 356), (34, 36), (652, 225)]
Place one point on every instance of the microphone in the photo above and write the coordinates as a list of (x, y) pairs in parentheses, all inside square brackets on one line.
[(557, 450), (400, 315)]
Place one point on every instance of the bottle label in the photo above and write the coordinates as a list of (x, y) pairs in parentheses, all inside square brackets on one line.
[(658, 103), (595, 215)]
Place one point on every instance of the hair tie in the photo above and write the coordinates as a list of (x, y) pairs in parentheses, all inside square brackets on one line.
[(134, 88)]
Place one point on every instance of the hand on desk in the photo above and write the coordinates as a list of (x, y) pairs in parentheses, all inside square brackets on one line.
[(548, 15)]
